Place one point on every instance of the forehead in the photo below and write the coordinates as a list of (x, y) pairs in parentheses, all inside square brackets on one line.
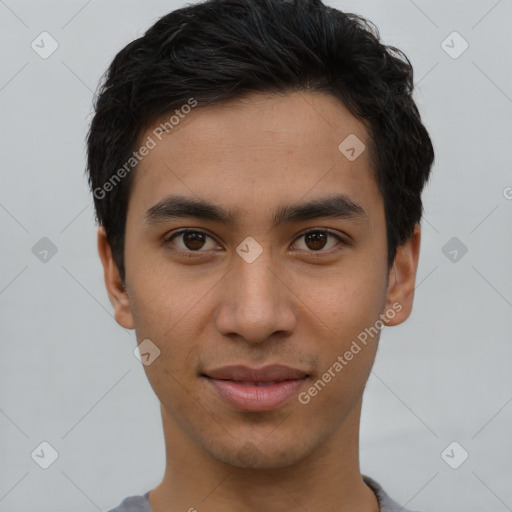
[(256, 149)]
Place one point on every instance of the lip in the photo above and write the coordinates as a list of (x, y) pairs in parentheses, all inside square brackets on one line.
[(274, 372), (252, 389)]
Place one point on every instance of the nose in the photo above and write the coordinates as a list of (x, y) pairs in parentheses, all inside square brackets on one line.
[(256, 302)]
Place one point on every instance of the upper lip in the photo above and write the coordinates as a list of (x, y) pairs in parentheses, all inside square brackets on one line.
[(272, 373)]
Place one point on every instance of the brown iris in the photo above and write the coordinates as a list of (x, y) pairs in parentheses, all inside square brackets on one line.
[(193, 240), (315, 240)]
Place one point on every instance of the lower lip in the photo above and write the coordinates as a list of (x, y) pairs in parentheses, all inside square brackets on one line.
[(246, 397)]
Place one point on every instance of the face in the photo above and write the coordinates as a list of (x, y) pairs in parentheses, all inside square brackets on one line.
[(251, 277)]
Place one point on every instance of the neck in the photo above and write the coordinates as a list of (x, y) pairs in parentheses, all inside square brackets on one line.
[(329, 478)]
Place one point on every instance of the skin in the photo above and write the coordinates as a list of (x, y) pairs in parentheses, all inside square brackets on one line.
[(251, 155)]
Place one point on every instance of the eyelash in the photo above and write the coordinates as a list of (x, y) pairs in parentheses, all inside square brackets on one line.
[(314, 254)]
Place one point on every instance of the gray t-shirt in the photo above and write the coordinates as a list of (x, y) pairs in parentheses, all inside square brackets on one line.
[(141, 503)]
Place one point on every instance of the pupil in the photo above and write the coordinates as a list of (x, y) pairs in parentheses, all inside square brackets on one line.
[(317, 239), (193, 240)]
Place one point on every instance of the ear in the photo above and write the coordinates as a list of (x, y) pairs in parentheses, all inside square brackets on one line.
[(402, 280), (116, 290)]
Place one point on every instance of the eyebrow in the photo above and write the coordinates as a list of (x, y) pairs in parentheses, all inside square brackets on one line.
[(174, 206)]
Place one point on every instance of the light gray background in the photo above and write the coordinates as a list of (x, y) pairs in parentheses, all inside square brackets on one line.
[(68, 373)]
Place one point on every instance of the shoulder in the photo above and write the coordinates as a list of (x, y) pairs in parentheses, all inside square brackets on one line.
[(387, 504), (134, 504)]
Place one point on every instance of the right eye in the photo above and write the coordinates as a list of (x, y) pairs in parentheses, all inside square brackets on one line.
[(191, 240)]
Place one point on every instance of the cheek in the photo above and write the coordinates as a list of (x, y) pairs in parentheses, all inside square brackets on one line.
[(347, 300), (346, 349), (171, 322), (164, 299), (167, 317), (347, 308)]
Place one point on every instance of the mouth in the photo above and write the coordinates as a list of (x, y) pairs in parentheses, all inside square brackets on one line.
[(245, 383), (256, 390)]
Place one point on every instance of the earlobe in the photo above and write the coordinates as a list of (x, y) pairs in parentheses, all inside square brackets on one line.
[(402, 280), (116, 290)]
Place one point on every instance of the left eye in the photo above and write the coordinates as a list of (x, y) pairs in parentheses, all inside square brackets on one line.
[(197, 241), (316, 240)]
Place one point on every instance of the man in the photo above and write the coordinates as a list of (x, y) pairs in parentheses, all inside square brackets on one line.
[(257, 168)]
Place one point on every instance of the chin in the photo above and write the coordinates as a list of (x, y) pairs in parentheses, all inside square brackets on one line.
[(261, 454)]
